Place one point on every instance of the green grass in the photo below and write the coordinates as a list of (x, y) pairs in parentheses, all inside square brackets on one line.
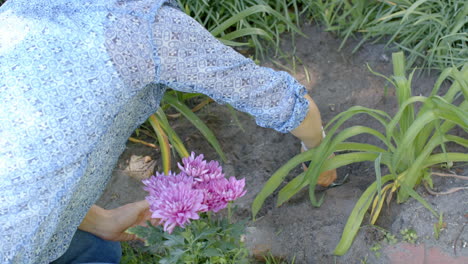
[(434, 33), (414, 141), (134, 255), (246, 24)]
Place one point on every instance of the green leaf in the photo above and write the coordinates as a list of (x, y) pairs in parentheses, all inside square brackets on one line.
[(416, 196), (338, 161), (326, 148), (378, 174), (176, 142), (197, 122), (275, 181), (353, 146), (211, 252), (247, 12), (163, 143), (444, 157), (391, 127), (246, 32), (173, 240), (412, 8), (234, 43), (357, 215), (150, 234)]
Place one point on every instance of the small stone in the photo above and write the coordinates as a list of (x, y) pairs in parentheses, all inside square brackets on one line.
[(140, 167), (147, 159)]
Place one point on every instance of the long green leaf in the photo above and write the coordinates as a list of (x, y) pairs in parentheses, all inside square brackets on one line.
[(275, 181), (246, 32), (174, 139), (408, 138), (163, 143), (414, 172), (357, 215), (418, 197), (338, 161), (378, 174), (411, 10), (353, 146), (247, 12), (233, 43), (197, 122), (443, 157), (326, 148)]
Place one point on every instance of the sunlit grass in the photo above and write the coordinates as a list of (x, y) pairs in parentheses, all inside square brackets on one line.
[(433, 33), (410, 138)]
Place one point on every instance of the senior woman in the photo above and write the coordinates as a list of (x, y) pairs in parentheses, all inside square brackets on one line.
[(76, 79)]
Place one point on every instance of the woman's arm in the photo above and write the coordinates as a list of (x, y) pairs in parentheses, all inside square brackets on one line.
[(190, 59)]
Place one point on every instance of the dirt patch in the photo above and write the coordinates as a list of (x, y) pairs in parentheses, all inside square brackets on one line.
[(339, 80)]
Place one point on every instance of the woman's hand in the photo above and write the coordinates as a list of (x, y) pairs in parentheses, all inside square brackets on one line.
[(326, 178), (311, 134), (111, 224)]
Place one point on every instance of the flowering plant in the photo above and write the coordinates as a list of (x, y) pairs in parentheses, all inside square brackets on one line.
[(192, 194)]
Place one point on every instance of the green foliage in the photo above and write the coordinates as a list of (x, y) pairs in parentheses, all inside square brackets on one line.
[(270, 259), (439, 226), (158, 127), (202, 241), (246, 23), (409, 235), (432, 31), (376, 249), (390, 238), (131, 255), (420, 127)]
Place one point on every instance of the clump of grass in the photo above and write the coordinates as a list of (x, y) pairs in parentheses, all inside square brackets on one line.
[(434, 33), (246, 23), (414, 142)]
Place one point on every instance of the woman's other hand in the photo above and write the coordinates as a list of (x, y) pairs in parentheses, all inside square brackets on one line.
[(112, 224)]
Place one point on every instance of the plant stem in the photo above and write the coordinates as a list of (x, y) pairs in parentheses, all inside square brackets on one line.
[(229, 213)]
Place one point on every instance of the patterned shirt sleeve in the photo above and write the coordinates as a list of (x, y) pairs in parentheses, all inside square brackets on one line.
[(192, 60)]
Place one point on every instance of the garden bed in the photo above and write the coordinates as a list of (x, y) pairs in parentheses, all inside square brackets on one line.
[(336, 81)]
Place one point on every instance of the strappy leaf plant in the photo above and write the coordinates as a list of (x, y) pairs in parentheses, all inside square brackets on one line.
[(413, 141), (165, 135), (246, 23), (433, 32)]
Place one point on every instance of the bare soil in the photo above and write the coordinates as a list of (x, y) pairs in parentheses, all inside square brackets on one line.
[(337, 81)]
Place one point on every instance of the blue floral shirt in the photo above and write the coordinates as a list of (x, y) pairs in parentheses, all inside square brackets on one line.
[(76, 79)]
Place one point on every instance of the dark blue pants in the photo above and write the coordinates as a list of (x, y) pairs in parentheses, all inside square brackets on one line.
[(88, 248)]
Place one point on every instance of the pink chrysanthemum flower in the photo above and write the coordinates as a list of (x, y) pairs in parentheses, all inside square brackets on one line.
[(160, 182), (219, 192), (198, 168), (193, 166), (234, 189), (212, 197), (176, 205), (200, 187)]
